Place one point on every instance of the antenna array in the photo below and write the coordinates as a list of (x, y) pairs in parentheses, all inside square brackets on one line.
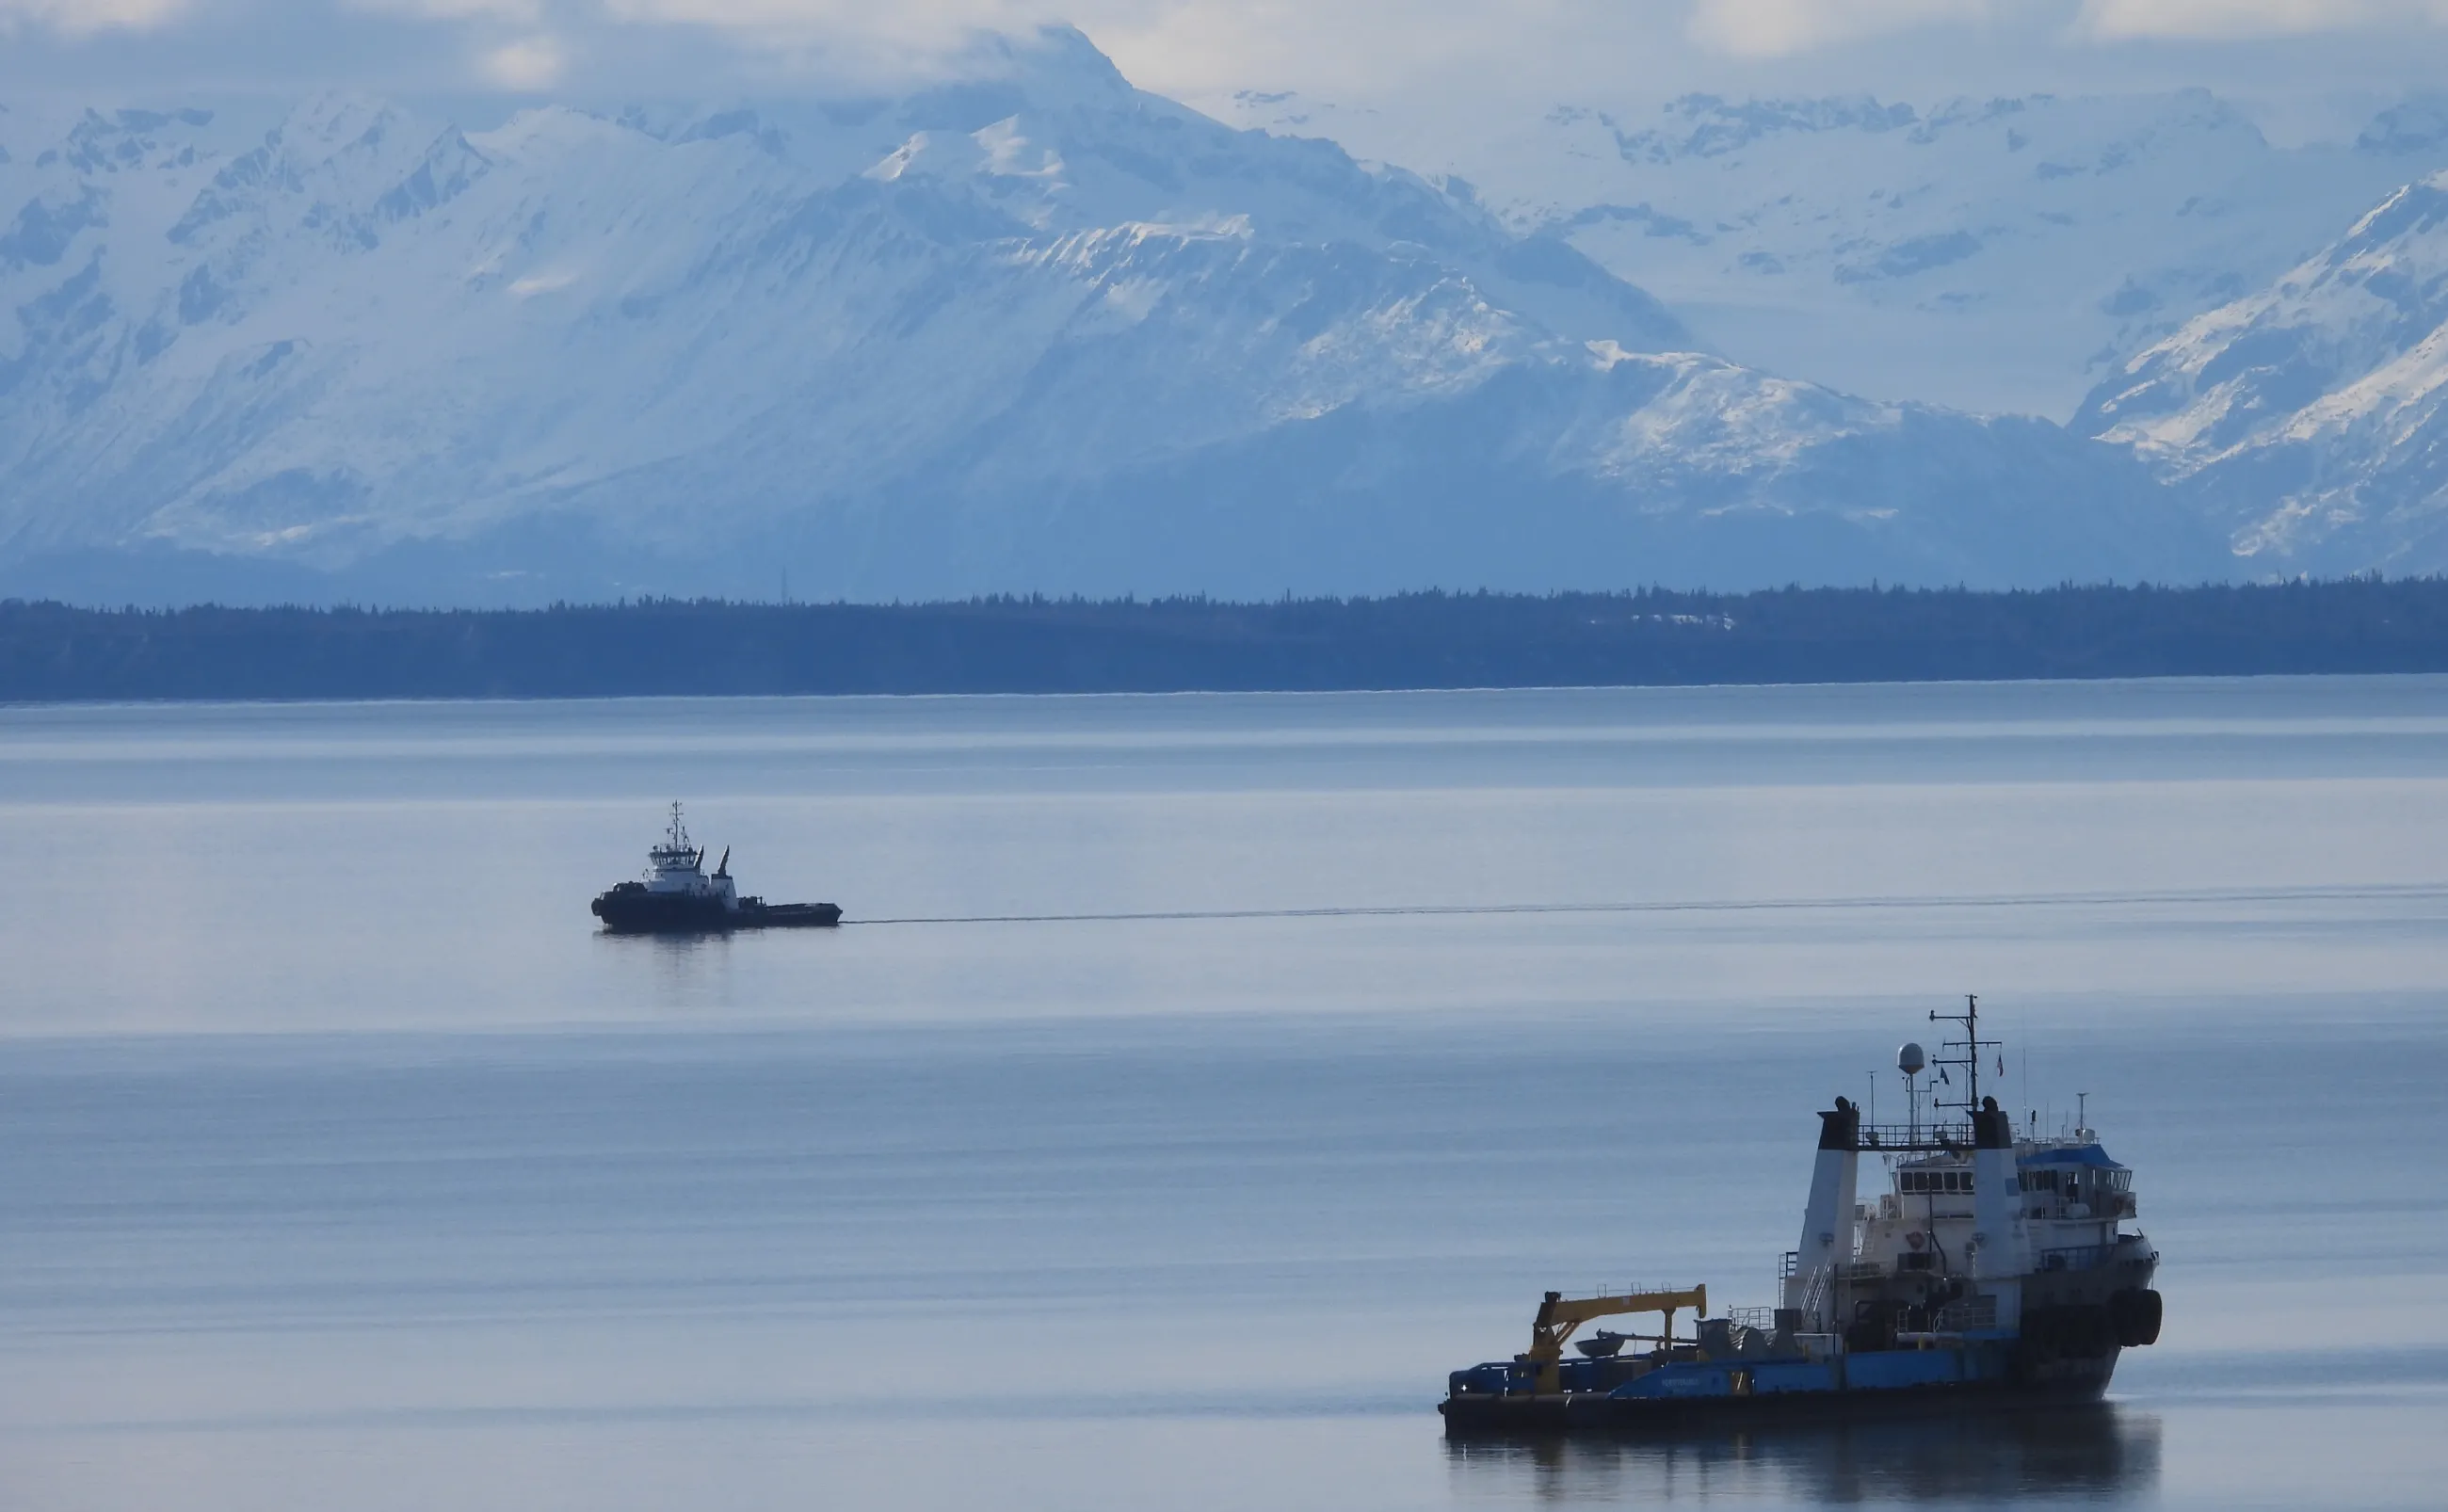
[(1971, 1045)]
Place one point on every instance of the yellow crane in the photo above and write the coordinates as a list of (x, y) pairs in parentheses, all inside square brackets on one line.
[(1558, 1317)]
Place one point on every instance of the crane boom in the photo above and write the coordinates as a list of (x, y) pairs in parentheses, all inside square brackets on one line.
[(1559, 1315)]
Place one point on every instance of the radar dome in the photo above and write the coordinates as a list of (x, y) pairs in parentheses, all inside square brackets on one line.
[(1909, 1060)]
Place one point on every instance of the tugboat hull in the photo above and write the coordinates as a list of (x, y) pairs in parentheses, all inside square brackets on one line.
[(630, 908)]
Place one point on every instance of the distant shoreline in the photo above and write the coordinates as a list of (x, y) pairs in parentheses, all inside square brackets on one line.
[(57, 653)]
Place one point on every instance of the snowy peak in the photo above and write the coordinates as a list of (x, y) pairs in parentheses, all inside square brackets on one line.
[(2310, 415), (127, 140), (1055, 67), (328, 171), (2225, 378), (1136, 159)]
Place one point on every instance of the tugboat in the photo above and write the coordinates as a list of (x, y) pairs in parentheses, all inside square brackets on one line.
[(678, 897), (1995, 1269)]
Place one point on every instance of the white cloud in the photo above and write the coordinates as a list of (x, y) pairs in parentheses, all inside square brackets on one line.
[(1781, 28), (78, 18), (516, 10), (1429, 61), (771, 15), (2128, 20), (898, 40), (529, 65)]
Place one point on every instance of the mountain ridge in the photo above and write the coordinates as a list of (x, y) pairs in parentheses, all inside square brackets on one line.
[(2310, 419), (1996, 254), (1038, 331)]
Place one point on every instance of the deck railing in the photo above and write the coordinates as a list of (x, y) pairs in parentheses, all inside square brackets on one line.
[(1915, 1136)]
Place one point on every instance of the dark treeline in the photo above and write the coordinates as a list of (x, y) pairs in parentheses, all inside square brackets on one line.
[(53, 652)]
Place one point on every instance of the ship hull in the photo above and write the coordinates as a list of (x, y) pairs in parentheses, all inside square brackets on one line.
[(634, 910), (1716, 1402)]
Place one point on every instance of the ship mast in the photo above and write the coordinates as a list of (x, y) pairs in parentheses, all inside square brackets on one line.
[(1971, 1044)]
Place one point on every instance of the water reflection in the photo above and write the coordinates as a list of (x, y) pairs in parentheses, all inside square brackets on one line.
[(692, 974), (2095, 1453)]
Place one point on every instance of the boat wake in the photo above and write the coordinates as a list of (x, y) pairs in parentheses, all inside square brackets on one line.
[(2423, 892)]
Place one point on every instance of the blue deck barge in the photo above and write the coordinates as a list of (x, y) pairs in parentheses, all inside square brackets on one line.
[(1501, 1397)]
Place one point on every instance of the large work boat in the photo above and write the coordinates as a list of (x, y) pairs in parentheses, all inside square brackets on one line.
[(678, 896), (1994, 1266)]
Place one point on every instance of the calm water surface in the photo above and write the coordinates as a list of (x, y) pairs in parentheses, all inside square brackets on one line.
[(345, 1167)]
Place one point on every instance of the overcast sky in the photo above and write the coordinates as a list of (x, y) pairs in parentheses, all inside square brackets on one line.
[(2298, 60)]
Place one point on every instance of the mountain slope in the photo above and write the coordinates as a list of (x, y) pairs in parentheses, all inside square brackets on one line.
[(2308, 419), (1039, 332), (1989, 254)]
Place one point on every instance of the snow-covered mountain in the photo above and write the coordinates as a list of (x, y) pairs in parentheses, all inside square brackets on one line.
[(2310, 419), (1037, 331), (1996, 254)]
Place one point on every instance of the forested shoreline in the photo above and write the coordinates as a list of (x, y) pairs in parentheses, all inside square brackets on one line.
[(53, 652)]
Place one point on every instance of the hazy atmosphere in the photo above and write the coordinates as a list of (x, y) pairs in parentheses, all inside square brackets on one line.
[(475, 303)]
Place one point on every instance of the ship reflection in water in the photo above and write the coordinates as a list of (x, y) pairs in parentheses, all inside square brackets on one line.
[(2096, 1453)]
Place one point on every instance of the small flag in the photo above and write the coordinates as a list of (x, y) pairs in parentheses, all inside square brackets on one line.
[(2002, 1060), (1944, 1077)]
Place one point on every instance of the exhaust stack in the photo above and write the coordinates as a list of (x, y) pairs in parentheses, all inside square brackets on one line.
[(2002, 1244), (1827, 1217)]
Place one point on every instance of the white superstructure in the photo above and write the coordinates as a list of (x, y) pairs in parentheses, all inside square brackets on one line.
[(1970, 1225), (676, 867)]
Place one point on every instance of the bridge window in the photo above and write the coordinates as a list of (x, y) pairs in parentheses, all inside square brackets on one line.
[(1956, 1181)]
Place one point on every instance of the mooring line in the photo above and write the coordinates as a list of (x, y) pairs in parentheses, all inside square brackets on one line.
[(2026, 900)]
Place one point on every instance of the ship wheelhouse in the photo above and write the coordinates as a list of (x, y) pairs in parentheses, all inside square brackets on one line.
[(2077, 1182), (676, 868)]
